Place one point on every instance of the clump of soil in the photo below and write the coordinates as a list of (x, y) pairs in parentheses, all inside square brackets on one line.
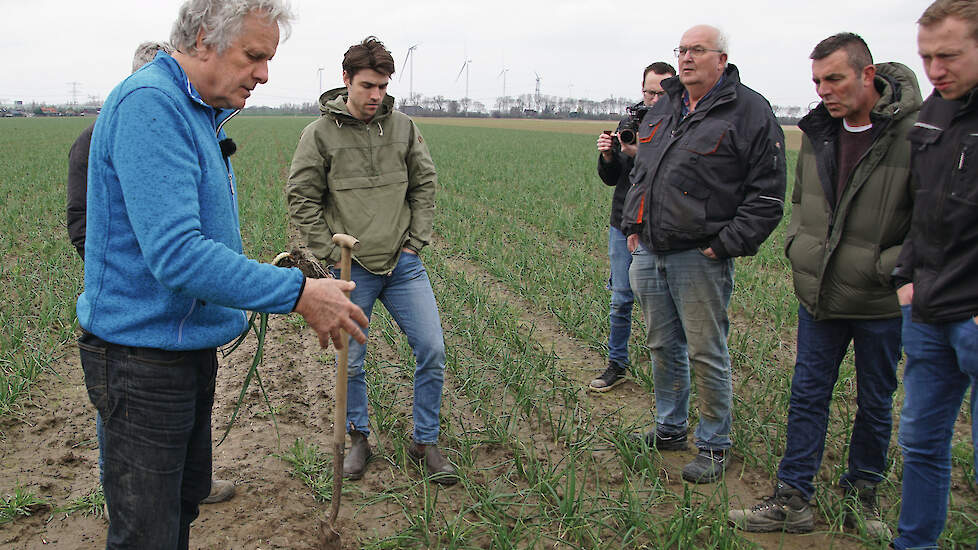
[(305, 261)]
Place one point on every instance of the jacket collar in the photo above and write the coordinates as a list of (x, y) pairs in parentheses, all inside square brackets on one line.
[(176, 72), (722, 91)]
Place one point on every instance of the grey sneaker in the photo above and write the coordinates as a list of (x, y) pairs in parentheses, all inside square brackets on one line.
[(861, 509), (220, 491), (612, 376), (786, 510), (658, 439), (707, 467)]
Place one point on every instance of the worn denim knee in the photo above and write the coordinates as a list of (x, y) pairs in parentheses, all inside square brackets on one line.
[(407, 295), (684, 298)]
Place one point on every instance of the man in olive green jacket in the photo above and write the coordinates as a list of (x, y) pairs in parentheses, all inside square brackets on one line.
[(851, 212), (363, 169)]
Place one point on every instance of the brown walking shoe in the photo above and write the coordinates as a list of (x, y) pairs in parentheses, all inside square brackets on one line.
[(355, 462), (436, 466)]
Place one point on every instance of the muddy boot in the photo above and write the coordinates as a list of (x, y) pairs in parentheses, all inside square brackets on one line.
[(220, 491), (355, 462), (786, 510), (436, 466), (862, 511)]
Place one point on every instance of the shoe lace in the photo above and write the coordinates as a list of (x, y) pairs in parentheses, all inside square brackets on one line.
[(768, 503)]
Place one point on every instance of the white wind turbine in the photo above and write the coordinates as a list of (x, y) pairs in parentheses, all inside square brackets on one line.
[(410, 57)]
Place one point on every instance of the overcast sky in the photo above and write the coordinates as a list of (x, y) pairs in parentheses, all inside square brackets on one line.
[(579, 49)]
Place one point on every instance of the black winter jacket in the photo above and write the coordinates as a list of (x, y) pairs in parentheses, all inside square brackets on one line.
[(940, 255), (614, 173), (78, 189), (713, 179)]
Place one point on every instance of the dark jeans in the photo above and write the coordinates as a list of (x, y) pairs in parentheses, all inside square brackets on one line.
[(156, 413), (821, 347)]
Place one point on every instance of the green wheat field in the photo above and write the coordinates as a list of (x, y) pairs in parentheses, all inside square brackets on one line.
[(519, 267)]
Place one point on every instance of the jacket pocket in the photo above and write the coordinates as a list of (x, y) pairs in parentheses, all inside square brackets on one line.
[(964, 183), (685, 208), (651, 131)]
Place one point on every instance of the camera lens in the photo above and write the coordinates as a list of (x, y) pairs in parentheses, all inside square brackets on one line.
[(627, 136)]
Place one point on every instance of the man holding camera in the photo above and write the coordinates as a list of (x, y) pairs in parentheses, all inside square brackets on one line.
[(709, 183), (614, 165)]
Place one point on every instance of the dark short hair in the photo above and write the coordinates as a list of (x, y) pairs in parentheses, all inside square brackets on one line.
[(369, 54), (853, 44), (659, 67), (965, 10)]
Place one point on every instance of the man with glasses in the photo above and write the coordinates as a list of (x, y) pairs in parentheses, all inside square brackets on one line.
[(614, 165), (709, 183)]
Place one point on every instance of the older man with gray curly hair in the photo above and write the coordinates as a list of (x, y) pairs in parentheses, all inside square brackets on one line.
[(165, 278)]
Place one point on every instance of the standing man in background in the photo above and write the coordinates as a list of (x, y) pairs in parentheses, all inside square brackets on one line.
[(614, 165), (165, 278), (709, 186), (851, 212), (363, 169), (936, 279)]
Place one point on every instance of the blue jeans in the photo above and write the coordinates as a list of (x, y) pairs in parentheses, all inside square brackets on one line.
[(684, 298), (821, 347), (621, 297), (155, 407), (942, 363), (407, 295)]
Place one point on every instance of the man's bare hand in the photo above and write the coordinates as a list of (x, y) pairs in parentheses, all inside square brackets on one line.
[(905, 294), (632, 242), (629, 150), (327, 310), (709, 253), (604, 145)]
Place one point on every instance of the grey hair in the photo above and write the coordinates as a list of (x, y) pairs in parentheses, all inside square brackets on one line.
[(146, 52), (722, 41), (221, 21)]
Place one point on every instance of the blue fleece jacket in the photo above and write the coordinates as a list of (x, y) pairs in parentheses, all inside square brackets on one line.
[(163, 260)]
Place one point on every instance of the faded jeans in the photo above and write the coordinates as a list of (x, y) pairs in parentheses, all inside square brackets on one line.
[(155, 407), (620, 319), (821, 347), (407, 295), (942, 364), (684, 298)]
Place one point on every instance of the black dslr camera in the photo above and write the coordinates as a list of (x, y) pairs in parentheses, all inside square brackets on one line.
[(629, 130)]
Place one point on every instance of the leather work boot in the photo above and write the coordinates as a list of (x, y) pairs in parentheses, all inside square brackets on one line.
[(786, 510), (707, 467), (436, 466), (220, 491), (355, 462), (861, 509)]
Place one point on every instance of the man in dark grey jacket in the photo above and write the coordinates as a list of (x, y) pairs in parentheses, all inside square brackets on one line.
[(614, 165), (850, 215), (709, 181)]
